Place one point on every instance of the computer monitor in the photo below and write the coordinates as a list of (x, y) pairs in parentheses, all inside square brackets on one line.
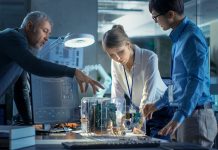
[(56, 100)]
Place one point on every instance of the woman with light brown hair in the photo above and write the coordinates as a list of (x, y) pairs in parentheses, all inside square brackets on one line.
[(135, 74)]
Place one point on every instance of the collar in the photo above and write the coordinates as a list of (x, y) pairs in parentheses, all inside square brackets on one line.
[(20, 30), (175, 34), (137, 54)]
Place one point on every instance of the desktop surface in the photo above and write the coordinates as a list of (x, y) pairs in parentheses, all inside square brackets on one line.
[(113, 142), (55, 141)]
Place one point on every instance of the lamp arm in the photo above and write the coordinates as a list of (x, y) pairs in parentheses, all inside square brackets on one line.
[(50, 46), (47, 47)]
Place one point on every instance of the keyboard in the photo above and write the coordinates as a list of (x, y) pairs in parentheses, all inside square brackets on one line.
[(111, 144)]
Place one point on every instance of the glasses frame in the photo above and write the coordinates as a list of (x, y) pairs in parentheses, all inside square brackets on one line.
[(155, 17)]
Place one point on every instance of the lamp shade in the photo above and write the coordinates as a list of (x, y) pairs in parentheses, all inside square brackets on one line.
[(78, 40)]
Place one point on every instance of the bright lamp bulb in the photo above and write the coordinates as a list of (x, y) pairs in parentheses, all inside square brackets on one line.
[(79, 40)]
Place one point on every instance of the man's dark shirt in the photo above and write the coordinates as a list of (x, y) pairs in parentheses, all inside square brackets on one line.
[(15, 56)]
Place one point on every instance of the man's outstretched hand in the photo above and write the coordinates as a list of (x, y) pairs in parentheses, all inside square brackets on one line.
[(83, 81), (170, 128)]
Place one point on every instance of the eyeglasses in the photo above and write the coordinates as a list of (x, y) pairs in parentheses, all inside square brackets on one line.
[(155, 17)]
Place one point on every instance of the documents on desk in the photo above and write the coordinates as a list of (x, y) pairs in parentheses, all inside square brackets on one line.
[(15, 137)]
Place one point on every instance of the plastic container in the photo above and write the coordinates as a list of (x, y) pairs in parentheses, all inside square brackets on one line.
[(102, 115)]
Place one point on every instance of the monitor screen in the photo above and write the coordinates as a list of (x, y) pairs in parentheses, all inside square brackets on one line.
[(56, 100)]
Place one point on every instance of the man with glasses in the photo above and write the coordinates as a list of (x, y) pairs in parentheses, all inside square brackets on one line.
[(194, 118), (155, 17)]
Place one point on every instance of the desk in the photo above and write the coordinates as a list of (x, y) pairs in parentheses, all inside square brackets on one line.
[(53, 142)]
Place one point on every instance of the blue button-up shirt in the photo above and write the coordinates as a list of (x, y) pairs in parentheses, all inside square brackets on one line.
[(190, 70)]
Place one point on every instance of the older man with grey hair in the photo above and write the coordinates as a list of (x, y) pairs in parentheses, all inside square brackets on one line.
[(17, 56)]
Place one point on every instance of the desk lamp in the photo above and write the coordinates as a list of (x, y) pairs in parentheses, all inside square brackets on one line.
[(78, 40), (83, 40)]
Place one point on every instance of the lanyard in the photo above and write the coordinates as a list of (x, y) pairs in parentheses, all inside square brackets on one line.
[(130, 88)]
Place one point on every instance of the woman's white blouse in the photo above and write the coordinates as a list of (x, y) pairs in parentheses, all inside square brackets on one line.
[(148, 86)]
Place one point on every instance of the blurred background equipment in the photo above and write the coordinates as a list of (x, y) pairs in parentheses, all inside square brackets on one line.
[(105, 78)]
